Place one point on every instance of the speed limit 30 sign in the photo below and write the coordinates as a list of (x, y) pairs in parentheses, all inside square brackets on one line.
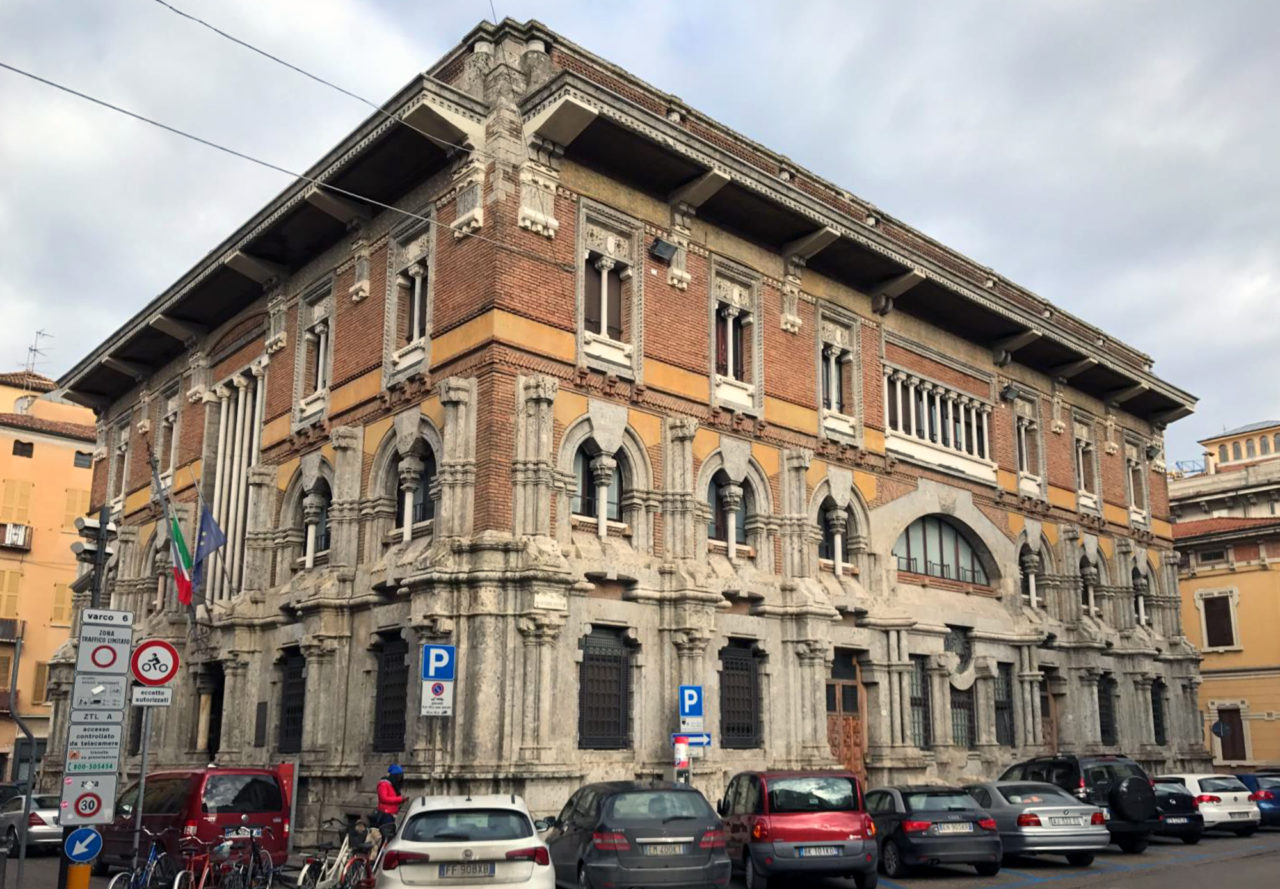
[(154, 662)]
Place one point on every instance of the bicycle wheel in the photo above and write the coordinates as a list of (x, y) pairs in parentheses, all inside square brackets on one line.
[(184, 880), (308, 876), (161, 874), (356, 873), (121, 880), (232, 879), (264, 871)]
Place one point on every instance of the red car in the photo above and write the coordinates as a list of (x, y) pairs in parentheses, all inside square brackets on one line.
[(205, 803), (810, 823)]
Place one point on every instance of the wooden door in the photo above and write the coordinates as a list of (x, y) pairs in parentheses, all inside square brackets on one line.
[(1048, 716), (1232, 735), (844, 714)]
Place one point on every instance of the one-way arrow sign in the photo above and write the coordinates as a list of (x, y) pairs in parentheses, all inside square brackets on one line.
[(697, 739)]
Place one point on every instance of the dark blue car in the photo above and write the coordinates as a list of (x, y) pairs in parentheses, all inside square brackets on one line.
[(1265, 791)]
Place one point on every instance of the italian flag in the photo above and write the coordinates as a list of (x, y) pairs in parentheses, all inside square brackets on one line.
[(181, 559)]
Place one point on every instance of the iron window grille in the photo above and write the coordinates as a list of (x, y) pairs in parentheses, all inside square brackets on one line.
[(293, 694), (964, 727), (921, 717), (604, 691), (1004, 704), (392, 699), (1107, 710), (740, 717), (1159, 731)]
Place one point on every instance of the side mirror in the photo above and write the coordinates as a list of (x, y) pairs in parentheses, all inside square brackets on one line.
[(542, 824), (721, 808)]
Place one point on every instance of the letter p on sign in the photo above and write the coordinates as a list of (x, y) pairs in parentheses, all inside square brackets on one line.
[(438, 662), (690, 700)]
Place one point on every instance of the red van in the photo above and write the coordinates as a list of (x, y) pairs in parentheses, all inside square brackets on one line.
[(205, 803), (810, 823)]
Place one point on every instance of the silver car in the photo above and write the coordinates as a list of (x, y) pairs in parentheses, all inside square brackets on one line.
[(43, 831), (1035, 818)]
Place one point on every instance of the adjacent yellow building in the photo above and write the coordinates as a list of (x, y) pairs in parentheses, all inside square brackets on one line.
[(1228, 535), (46, 459)]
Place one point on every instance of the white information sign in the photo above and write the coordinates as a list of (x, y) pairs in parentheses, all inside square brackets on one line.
[(437, 698), (97, 717), (104, 649), (87, 799), (90, 692), (106, 617), (152, 697)]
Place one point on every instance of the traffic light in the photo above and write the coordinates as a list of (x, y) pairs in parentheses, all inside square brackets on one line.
[(90, 530)]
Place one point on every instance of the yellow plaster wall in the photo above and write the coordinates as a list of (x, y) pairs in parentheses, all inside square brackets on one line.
[(374, 433), (1062, 498), (1257, 617), (791, 416), (767, 457), (872, 440), (503, 327), (648, 426), (276, 431), (285, 471), (433, 409), (569, 406), (1162, 529), (866, 483), (1116, 514), (676, 380), (816, 473), (1007, 480), (359, 390), (705, 441), (1016, 523)]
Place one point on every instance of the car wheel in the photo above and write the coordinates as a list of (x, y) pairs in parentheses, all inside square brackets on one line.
[(752, 877), (1246, 831), (1132, 845), (891, 860), (866, 880), (987, 868), (11, 840), (1192, 839), (1079, 859)]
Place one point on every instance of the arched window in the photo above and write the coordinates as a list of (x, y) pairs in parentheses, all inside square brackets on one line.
[(718, 493), (934, 546), (1088, 586), (1250, 449), (835, 522), (1264, 445), (1030, 565), (1222, 453), (313, 516), (1235, 451), (586, 491), (423, 508), (1140, 585)]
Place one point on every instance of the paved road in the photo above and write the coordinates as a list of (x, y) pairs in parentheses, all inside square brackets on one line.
[(1221, 862)]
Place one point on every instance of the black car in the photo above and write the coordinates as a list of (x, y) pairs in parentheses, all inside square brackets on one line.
[(930, 824), (1178, 813), (1117, 784), (625, 834)]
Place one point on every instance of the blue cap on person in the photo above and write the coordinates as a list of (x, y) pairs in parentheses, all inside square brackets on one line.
[(394, 769)]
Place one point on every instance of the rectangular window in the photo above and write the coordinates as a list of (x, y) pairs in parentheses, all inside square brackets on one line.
[(40, 685), (15, 501), (77, 505), (293, 693), (1219, 631), (83, 460), (10, 581), (1004, 704), (167, 445), (1209, 556), (23, 448), (1028, 447), (392, 694), (604, 691), (1107, 710), (1160, 733), (921, 712), (740, 723), (964, 728), (6, 670), (604, 284), (1086, 468), (61, 614), (120, 461)]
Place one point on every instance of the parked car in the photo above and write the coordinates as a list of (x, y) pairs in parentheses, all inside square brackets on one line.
[(633, 833), (10, 789), (1266, 793), (1117, 784), (1036, 818), (810, 823), (929, 824), (1179, 813), (206, 803), (465, 842), (1224, 801), (43, 832)]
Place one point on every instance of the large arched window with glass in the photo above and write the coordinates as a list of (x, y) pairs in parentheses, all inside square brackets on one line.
[(731, 505), (411, 479), (837, 533), (592, 471), (313, 517), (935, 546)]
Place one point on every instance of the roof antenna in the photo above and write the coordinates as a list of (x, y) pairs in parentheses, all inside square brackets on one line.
[(33, 352), (493, 12)]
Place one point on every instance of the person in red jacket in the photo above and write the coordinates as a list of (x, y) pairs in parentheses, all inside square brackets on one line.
[(389, 801)]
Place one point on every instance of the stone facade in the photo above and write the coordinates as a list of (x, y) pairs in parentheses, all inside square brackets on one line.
[(504, 423)]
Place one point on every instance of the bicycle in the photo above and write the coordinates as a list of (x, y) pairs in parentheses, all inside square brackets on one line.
[(256, 871), (349, 869), (157, 872), (212, 865)]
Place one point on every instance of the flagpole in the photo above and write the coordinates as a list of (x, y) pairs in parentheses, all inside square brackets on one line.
[(222, 565)]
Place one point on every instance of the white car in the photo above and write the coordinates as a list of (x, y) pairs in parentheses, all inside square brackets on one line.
[(1223, 801), (464, 842)]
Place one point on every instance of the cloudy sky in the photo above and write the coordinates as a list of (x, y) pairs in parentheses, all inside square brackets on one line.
[(1120, 159)]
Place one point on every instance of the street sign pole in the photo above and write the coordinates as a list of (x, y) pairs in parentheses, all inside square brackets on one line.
[(142, 782), (31, 760)]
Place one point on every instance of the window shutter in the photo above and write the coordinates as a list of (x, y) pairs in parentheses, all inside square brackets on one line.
[(9, 583), (1233, 748), (40, 686), (1107, 710), (1217, 622), (61, 604), (15, 502), (591, 297), (614, 321), (6, 670)]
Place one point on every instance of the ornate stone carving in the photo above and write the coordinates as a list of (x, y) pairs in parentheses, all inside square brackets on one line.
[(790, 320), (360, 251), (468, 206), (198, 366)]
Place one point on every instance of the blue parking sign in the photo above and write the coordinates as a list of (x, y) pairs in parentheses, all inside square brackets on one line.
[(690, 701), (438, 662)]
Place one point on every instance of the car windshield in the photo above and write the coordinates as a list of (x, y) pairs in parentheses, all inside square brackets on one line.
[(1166, 787), (939, 801), (241, 794), (1028, 794), (659, 805), (1223, 784), (467, 825), (816, 794), (1265, 783)]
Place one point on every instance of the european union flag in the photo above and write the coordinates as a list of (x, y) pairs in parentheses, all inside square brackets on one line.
[(208, 538)]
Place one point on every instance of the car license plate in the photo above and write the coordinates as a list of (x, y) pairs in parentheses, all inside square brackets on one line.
[(1064, 822), (1239, 814), (956, 827), (665, 849), (235, 832), (1175, 821), (467, 869), (816, 851)]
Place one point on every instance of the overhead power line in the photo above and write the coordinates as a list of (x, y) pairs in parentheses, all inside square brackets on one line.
[(240, 154), (317, 78)]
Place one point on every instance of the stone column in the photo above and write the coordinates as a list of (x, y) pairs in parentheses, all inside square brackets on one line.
[(602, 469), (533, 471), (939, 673), (456, 469), (1142, 721), (1085, 713), (793, 522), (813, 655), (313, 505), (680, 517), (326, 684), (344, 508), (731, 499), (238, 697), (259, 550), (539, 633), (1030, 564), (410, 472), (984, 702), (204, 708), (836, 523), (1088, 592)]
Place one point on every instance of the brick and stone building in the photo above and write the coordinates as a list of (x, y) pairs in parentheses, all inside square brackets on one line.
[(560, 370)]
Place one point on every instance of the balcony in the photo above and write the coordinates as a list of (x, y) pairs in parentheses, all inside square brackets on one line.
[(11, 630), (934, 425), (8, 701), (15, 536)]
